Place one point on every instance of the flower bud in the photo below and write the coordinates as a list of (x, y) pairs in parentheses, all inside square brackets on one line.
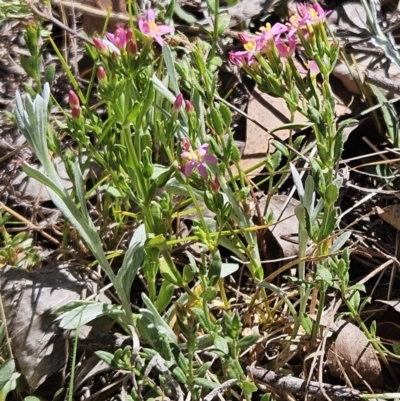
[(76, 112), (131, 47), (185, 144), (129, 34), (178, 103), (101, 74), (189, 107), (73, 99), (214, 185), (101, 47)]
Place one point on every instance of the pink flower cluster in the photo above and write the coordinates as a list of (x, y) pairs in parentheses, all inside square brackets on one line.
[(270, 36), (122, 39)]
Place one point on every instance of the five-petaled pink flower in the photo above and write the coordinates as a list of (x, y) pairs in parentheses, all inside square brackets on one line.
[(286, 48), (193, 159), (306, 15), (314, 13), (150, 28), (245, 56)]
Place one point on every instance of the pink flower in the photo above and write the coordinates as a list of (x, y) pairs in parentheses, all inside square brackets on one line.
[(308, 15), (286, 48), (313, 68), (313, 14), (245, 38), (268, 32), (245, 56), (118, 39), (150, 28), (193, 159)]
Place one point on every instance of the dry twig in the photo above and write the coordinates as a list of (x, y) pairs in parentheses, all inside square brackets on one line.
[(299, 386)]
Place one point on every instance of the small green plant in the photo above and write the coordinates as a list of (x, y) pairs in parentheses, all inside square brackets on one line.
[(17, 250), (164, 147)]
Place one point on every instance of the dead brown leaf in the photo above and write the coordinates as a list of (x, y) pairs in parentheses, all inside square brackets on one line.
[(351, 354), (390, 214), (270, 112), (38, 344), (395, 303)]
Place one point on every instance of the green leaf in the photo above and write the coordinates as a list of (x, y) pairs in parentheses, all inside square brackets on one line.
[(133, 114), (292, 126), (354, 300), (204, 383), (8, 378), (357, 287), (209, 294), (248, 340), (228, 268), (203, 369), (170, 273), (273, 160), (169, 63), (201, 318), (373, 328), (133, 259), (217, 122), (183, 15), (164, 296), (248, 387), (396, 347), (309, 194), (214, 271), (180, 359), (331, 194), (87, 312), (50, 73), (159, 242), (106, 357), (297, 181), (226, 114), (179, 374), (221, 345), (223, 22), (323, 274), (212, 5), (339, 242), (306, 323), (6, 372), (146, 103), (232, 368), (153, 315), (280, 147)]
